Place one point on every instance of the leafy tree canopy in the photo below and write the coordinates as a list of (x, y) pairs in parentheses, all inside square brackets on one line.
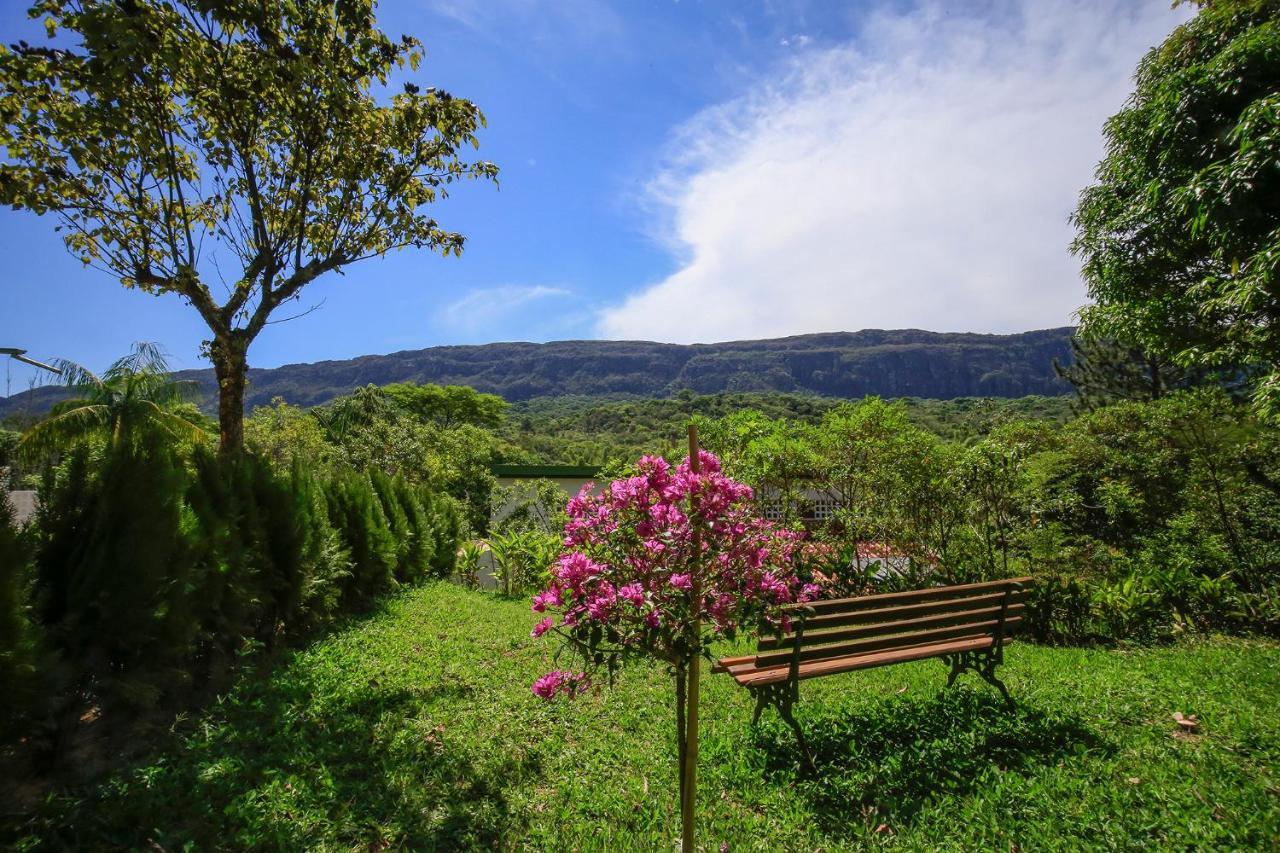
[(1180, 236), (238, 148), (1105, 371), (448, 405)]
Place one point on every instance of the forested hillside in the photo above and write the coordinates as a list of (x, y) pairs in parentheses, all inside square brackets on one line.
[(904, 363)]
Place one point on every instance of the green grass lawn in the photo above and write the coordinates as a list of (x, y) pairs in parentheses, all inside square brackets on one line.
[(416, 728)]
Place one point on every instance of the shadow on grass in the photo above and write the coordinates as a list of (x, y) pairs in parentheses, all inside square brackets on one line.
[(283, 771), (887, 762)]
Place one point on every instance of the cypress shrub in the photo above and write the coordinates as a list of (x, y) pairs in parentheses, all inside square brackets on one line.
[(394, 510), (356, 512), (325, 558), (113, 573), (446, 521), (422, 529), (150, 576)]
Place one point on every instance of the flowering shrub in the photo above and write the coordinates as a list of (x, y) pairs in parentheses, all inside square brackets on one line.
[(630, 584)]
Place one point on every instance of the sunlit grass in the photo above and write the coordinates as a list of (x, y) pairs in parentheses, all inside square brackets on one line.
[(416, 728)]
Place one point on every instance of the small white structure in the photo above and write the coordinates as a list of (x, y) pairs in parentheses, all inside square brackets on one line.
[(569, 478), (25, 503)]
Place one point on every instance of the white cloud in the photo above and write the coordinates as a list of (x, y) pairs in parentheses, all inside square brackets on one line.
[(480, 308), (920, 177)]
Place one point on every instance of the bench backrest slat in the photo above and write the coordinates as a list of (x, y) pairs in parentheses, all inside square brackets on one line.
[(880, 629), (887, 615), (890, 599), (854, 626), (896, 641)]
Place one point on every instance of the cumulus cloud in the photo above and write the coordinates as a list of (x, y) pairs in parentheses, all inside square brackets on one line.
[(921, 176), (480, 308)]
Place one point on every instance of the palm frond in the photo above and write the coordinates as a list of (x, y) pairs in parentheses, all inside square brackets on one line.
[(63, 429), (146, 359), (174, 423), (78, 378)]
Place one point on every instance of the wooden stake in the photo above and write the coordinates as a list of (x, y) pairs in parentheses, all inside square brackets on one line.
[(689, 792)]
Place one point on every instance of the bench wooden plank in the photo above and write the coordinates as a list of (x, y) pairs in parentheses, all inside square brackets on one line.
[(814, 669), (902, 626), (883, 643), (909, 597), (723, 664), (887, 615)]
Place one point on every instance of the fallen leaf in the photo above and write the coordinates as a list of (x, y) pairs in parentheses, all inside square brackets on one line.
[(1133, 780)]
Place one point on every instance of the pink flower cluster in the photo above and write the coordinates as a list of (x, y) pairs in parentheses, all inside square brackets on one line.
[(561, 682), (625, 584)]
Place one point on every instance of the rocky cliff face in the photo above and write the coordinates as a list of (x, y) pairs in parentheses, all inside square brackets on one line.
[(843, 364)]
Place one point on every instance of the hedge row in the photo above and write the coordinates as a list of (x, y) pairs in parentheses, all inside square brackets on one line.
[(145, 575)]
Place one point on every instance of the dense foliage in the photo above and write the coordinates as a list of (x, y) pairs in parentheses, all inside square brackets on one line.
[(1138, 519), (588, 431), (432, 436), (1180, 236)]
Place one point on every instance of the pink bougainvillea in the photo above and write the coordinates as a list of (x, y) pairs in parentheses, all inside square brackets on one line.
[(625, 585)]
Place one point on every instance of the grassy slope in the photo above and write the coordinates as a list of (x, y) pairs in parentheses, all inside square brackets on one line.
[(417, 728)]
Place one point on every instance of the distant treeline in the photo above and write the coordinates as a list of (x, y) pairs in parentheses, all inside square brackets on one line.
[(581, 430)]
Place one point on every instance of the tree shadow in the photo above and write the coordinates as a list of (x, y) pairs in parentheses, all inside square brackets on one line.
[(887, 762), (280, 771)]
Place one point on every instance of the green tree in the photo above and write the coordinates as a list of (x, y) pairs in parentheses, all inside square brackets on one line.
[(997, 476), (448, 405), (135, 395), (864, 447), (178, 141), (1104, 371), (1180, 235), (286, 434)]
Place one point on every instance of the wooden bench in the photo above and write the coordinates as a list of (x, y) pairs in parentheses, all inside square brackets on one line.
[(966, 626)]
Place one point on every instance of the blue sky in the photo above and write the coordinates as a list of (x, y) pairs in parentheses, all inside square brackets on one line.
[(696, 171)]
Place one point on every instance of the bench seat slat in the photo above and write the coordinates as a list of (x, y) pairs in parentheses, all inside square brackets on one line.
[(723, 664), (882, 643), (941, 620), (867, 602), (813, 669)]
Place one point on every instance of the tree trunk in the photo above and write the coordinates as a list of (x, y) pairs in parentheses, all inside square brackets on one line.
[(230, 366)]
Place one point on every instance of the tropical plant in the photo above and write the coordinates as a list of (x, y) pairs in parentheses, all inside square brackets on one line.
[(470, 554), (179, 139), (521, 558), (135, 395)]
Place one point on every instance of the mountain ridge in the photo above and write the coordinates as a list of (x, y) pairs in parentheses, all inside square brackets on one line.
[(888, 363)]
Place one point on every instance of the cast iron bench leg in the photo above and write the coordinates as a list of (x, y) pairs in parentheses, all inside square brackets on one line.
[(782, 697), (984, 664)]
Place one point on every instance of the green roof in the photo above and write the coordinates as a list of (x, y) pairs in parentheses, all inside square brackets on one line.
[(531, 472)]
